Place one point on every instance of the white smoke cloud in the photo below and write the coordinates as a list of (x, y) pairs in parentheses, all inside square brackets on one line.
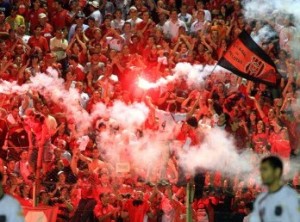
[(264, 35), (194, 75), (217, 152), (264, 10)]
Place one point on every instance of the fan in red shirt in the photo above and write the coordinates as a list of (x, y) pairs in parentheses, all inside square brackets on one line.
[(279, 140), (259, 139), (47, 30), (60, 15), (76, 68), (189, 131), (103, 211), (33, 15), (39, 42), (137, 208), (146, 26)]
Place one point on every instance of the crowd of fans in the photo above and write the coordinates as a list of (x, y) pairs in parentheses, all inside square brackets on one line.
[(99, 48)]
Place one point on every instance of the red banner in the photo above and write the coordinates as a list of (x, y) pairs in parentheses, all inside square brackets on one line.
[(40, 214), (246, 59)]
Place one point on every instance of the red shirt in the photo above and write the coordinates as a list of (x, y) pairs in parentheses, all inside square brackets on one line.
[(33, 17), (140, 26), (59, 19), (47, 31), (279, 145), (136, 213), (100, 211), (40, 42), (79, 73)]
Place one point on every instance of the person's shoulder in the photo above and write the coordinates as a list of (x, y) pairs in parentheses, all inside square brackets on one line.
[(261, 197), (8, 199), (289, 191)]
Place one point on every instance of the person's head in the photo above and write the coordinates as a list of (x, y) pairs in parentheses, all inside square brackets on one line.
[(2, 16), (61, 176), (271, 114), (97, 34), (44, 197), (42, 18), (39, 118), (36, 4), (200, 15), (192, 122), (12, 33), (2, 45), (24, 190), (200, 5), (127, 27), (252, 116), (271, 169), (288, 20), (93, 6), (59, 33), (24, 155), (107, 21), (133, 13), (146, 16), (96, 153), (15, 111), (37, 31), (260, 125), (104, 198), (58, 4), (183, 9), (73, 59), (91, 22), (79, 18), (138, 195), (79, 86), (118, 14), (14, 11), (174, 15), (11, 164), (64, 192)]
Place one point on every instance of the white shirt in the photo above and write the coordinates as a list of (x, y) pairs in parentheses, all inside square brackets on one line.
[(134, 22), (197, 25), (280, 206), (51, 124), (169, 118), (59, 43), (117, 24), (11, 209), (207, 15), (247, 218), (187, 18), (115, 44), (170, 29), (98, 17), (84, 98)]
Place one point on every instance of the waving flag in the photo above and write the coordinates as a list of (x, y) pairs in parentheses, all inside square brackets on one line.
[(246, 59)]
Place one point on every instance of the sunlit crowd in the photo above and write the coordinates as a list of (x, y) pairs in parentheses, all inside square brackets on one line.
[(101, 49)]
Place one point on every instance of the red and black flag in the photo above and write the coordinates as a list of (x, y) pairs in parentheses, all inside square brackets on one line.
[(246, 59)]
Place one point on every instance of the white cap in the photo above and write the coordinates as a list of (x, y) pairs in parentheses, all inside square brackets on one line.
[(95, 4), (42, 15), (132, 8), (114, 78)]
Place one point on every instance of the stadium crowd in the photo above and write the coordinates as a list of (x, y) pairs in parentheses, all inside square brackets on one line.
[(97, 48)]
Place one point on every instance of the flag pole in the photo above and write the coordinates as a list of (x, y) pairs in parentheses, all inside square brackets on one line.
[(215, 66), (189, 200)]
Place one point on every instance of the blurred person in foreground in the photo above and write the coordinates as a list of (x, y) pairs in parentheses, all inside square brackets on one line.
[(280, 202), (10, 208)]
